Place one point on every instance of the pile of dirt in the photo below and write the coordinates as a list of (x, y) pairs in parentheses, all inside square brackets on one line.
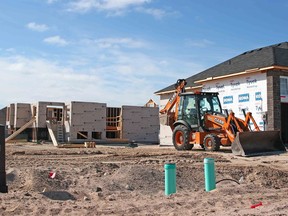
[(145, 178), (135, 177), (262, 176), (40, 179), (124, 181)]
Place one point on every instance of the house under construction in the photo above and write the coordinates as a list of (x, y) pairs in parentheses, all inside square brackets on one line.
[(78, 122)]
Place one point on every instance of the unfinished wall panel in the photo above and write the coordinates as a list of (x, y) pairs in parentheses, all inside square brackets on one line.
[(165, 135), (19, 121), (77, 122), (43, 113), (3, 112), (87, 121), (11, 113), (52, 112), (23, 114), (140, 124)]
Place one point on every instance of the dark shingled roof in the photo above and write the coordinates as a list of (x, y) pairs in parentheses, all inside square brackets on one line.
[(258, 58)]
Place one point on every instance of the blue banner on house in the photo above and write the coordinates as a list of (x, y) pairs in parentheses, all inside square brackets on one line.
[(228, 99), (243, 98), (258, 96)]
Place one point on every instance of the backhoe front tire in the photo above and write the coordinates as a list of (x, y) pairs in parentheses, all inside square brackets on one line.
[(181, 138), (211, 142)]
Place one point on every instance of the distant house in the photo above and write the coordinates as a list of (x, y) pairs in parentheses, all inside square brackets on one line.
[(151, 103), (256, 80)]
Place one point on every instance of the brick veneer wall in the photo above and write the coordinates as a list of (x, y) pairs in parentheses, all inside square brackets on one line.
[(274, 99)]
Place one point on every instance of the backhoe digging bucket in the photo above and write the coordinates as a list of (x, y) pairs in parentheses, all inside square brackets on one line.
[(257, 143)]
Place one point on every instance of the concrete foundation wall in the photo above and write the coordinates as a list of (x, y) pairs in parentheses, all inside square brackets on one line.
[(87, 117), (140, 124)]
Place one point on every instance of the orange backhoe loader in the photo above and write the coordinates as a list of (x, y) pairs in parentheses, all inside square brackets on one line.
[(197, 118)]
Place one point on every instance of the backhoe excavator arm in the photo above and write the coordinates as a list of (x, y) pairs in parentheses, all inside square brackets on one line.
[(249, 117), (231, 124), (229, 128), (180, 87)]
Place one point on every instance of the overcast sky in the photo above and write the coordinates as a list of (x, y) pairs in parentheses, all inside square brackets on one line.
[(120, 52)]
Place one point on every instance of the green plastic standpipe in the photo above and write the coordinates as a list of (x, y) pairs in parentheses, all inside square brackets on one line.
[(170, 178), (209, 170)]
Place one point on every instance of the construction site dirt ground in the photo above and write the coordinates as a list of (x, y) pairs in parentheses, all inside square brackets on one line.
[(118, 180)]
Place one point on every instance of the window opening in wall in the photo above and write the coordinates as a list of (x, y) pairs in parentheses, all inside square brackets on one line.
[(96, 135), (113, 122), (54, 114), (113, 134), (34, 110), (82, 135), (284, 86)]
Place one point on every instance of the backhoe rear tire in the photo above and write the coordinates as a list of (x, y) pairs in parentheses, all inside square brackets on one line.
[(211, 142), (181, 138)]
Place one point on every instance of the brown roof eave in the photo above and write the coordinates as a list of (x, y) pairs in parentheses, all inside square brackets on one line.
[(172, 91), (249, 71), (264, 69)]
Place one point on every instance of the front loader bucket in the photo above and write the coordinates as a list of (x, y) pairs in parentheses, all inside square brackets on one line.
[(257, 143)]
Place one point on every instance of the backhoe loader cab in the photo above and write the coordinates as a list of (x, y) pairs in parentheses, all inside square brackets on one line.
[(199, 121), (193, 107)]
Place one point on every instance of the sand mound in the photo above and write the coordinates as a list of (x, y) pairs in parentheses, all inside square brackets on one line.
[(131, 182), (136, 177)]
